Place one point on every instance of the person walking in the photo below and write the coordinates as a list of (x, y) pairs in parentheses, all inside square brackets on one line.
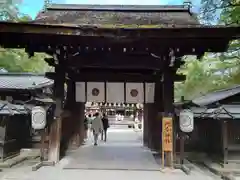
[(90, 118), (105, 123), (97, 127)]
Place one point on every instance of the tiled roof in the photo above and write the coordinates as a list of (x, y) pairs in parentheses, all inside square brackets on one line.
[(14, 81), (118, 16), (223, 112), (10, 109), (216, 96)]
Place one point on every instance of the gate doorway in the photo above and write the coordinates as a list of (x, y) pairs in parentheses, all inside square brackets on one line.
[(123, 150)]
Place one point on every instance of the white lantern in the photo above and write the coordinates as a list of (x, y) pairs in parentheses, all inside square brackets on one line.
[(39, 118), (186, 120)]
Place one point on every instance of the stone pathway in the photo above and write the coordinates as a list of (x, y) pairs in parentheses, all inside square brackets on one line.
[(122, 151), (122, 157)]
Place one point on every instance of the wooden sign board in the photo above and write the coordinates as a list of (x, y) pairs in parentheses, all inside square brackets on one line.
[(167, 134)]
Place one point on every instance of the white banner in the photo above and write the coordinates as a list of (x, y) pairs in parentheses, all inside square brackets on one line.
[(149, 92), (95, 92), (80, 92), (134, 93), (115, 92)]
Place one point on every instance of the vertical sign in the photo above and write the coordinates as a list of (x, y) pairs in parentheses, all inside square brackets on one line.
[(167, 134)]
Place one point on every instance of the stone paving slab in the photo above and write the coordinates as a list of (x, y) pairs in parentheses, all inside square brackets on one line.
[(113, 158), (24, 155), (123, 151)]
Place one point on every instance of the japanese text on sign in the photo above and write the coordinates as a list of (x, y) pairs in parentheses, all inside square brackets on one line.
[(167, 134)]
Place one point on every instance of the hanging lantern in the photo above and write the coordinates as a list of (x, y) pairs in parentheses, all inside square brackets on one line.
[(39, 116)]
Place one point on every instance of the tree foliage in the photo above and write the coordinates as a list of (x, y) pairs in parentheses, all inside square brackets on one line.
[(16, 60), (206, 75), (214, 71)]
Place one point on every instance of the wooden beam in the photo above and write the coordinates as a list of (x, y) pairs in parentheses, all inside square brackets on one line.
[(121, 33), (113, 77), (43, 41), (148, 46), (179, 77), (115, 60)]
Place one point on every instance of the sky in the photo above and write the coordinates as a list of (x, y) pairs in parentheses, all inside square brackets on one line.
[(32, 7)]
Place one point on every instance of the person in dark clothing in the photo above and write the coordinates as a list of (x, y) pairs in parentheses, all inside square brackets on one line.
[(105, 127)]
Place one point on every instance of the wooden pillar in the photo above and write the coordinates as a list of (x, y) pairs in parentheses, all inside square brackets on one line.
[(145, 126), (79, 129), (73, 125), (156, 117), (225, 142), (168, 100), (182, 147), (77, 135), (56, 125), (151, 125)]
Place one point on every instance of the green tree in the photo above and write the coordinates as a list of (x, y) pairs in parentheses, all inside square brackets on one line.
[(16, 60), (9, 11), (214, 71), (227, 12), (206, 75)]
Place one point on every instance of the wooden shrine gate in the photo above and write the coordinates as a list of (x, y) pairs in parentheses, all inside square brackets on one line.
[(134, 46)]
